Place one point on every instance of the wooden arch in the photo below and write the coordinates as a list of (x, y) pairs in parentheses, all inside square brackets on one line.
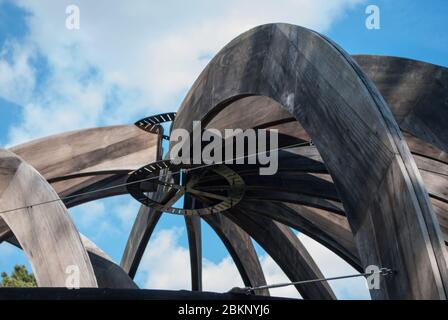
[(45, 233), (384, 197), (361, 192)]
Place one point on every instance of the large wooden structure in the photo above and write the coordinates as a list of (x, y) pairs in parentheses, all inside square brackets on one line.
[(363, 170)]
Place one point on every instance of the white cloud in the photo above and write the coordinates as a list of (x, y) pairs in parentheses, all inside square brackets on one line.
[(221, 276), (126, 213), (166, 265), (146, 55), (90, 214), (275, 275), (93, 218), (17, 76)]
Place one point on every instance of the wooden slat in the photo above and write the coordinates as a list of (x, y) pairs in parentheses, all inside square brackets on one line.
[(356, 135), (286, 250), (45, 232), (194, 234), (240, 247)]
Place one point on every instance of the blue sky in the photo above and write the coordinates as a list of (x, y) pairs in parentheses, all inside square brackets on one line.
[(130, 61)]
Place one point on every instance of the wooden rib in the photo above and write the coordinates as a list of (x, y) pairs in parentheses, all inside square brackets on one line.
[(193, 226), (356, 135), (83, 158), (141, 232), (107, 273), (45, 232), (416, 92), (329, 229), (90, 150), (240, 247), (286, 250)]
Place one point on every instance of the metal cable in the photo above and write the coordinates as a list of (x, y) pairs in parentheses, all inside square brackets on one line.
[(383, 272), (151, 178)]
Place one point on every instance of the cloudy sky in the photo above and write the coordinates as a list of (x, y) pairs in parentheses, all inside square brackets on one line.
[(128, 61)]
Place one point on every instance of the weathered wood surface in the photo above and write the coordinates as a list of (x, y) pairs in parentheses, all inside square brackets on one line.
[(89, 160), (304, 197), (325, 223), (138, 239), (356, 135), (45, 232), (329, 229), (241, 249), (96, 150), (416, 92), (90, 157), (93, 159), (286, 250), (194, 234), (93, 189), (107, 273), (288, 190), (142, 230), (307, 159), (193, 226), (5, 232)]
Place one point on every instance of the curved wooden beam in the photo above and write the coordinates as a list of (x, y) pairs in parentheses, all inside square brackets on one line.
[(107, 273), (91, 159), (329, 229), (95, 150), (241, 249), (411, 88), (141, 232), (286, 250), (415, 91), (194, 233), (356, 135), (45, 232), (5, 231), (404, 84)]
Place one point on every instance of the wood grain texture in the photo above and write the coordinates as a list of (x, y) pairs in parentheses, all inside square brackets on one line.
[(142, 230), (194, 234), (329, 229), (107, 273), (355, 133), (291, 79), (241, 249), (263, 112), (138, 239), (91, 158), (286, 250), (416, 92), (45, 232), (102, 149)]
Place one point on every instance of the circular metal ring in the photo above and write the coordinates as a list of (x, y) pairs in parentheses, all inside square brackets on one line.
[(152, 124), (162, 174)]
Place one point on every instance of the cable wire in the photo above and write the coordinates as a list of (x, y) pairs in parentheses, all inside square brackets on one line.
[(383, 272), (150, 178)]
